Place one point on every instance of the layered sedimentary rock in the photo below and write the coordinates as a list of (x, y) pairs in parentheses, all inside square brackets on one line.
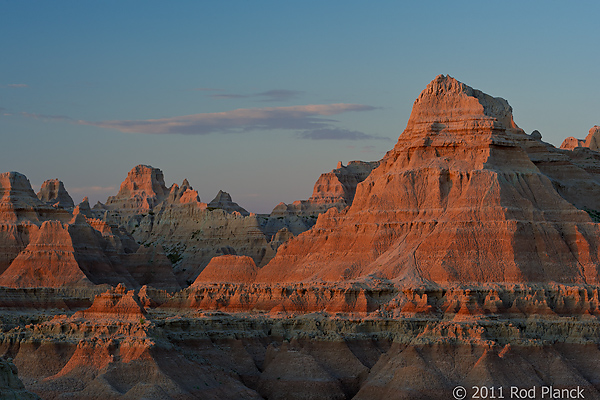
[(117, 350), (61, 255), (231, 269), (53, 192), (17, 199), (149, 265), (45, 244), (20, 214), (117, 304), (458, 199), (468, 256), (48, 260), (192, 232)]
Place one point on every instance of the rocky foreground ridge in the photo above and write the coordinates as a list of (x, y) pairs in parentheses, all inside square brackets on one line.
[(468, 255)]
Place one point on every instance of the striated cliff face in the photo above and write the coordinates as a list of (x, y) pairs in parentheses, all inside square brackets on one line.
[(458, 199), (47, 243), (192, 232)]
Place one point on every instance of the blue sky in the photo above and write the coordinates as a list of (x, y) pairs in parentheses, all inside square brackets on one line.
[(259, 98)]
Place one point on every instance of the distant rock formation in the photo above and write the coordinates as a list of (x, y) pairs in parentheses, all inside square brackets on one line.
[(17, 198), (84, 208), (332, 189), (470, 244), (45, 245), (592, 140), (536, 135), (143, 189), (149, 265), (224, 202), (53, 192), (192, 233)]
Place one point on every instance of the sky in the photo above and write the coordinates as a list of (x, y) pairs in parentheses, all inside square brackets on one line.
[(258, 98)]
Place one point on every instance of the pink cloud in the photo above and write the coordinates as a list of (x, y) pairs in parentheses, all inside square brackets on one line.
[(305, 117)]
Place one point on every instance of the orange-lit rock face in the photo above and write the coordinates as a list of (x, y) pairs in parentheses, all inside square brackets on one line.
[(570, 143), (141, 191), (228, 268), (48, 260), (118, 304), (457, 200), (591, 141)]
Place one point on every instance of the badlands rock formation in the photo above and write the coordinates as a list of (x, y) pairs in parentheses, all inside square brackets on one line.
[(192, 232), (228, 269), (53, 192), (416, 344), (332, 189), (458, 199), (467, 256), (224, 202), (47, 245), (143, 188), (592, 141)]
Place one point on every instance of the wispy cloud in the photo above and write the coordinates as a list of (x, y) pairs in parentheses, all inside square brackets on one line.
[(279, 95), (228, 96), (338, 134), (206, 89), (306, 118), (17, 85), (46, 117), (309, 122), (268, 96)]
